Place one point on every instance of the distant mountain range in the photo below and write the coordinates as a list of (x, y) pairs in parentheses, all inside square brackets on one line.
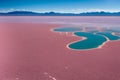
[(29, 13)]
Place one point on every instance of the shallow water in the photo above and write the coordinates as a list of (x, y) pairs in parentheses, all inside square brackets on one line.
[(91, 41), (94, 36), (68, 29), (109, 36)]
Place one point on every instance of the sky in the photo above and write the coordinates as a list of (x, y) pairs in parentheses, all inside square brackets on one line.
[(63, 6)]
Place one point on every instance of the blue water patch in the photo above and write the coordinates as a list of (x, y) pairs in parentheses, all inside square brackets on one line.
[(91, 41), (68, 29), (109, 35), (93, 38)]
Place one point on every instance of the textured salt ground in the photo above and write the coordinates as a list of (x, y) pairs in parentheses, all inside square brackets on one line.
[(30, 51)]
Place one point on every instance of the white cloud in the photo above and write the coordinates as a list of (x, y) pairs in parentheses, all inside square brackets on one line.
[(98, 10)]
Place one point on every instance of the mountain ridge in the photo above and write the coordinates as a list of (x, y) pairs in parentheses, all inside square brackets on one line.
[(30, 13)]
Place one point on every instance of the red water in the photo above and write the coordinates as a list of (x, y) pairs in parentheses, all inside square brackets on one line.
[(30, 51)]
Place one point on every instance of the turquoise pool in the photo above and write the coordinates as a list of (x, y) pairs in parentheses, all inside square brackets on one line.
[(67, 29), (92, 39), (109, 35)]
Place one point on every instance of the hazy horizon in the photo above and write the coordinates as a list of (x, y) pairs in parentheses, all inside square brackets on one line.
[(62, 6)]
